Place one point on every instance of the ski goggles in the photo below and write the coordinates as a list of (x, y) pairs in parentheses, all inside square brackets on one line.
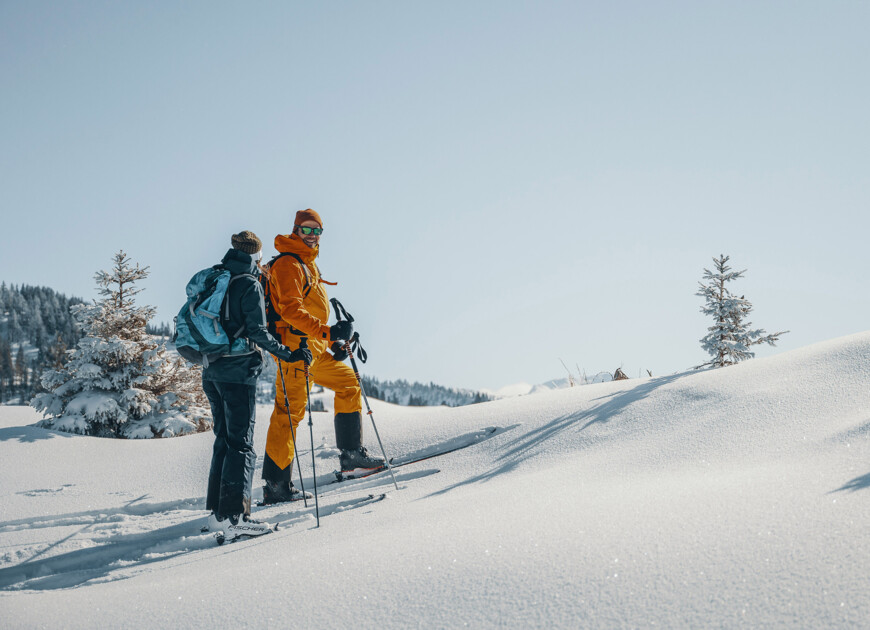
[(310, 230)]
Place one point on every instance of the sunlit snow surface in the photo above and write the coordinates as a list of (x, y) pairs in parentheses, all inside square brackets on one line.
[(730, 498)]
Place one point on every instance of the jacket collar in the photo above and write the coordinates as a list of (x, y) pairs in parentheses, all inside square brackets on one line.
[(238, 262), (292, 244)]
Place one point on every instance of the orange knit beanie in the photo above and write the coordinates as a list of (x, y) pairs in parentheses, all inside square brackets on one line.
[(307, 215)]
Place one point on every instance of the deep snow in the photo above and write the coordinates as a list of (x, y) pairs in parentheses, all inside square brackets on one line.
[(738, 497)]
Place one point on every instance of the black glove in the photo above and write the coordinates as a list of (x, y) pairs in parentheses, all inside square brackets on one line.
[(338, 351), (302, 354), (341, 330)]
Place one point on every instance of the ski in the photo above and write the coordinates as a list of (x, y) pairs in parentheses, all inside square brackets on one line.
[(297, 497), (422, 455), (271, 503)]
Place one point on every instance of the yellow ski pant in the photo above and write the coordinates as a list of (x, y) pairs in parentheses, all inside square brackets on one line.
[(325, 371)]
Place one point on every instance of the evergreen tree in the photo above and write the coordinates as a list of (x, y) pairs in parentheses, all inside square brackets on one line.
[(730, 338), (118, 382), (55, 354), (36, 370), (21, 371), (7, 370), (16, 332)]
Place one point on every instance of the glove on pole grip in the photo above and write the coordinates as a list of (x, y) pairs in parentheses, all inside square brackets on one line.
[(303, 345)]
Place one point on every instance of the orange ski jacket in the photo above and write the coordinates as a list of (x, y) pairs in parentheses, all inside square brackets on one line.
[(301, 302)]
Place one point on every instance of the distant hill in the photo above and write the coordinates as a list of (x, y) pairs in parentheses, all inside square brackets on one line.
[(36, 328)]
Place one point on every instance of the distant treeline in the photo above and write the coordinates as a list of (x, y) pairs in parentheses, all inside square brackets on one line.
[(402, 392), (36, 328), (399, 392), (159, 330)]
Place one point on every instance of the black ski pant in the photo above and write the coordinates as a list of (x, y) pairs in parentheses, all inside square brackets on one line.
[(233, 407)]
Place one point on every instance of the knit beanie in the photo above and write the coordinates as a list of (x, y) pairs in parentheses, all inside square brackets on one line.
[(246, 242), (307, 215)]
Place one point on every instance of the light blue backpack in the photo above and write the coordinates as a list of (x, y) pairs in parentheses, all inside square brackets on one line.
[(199, 334)]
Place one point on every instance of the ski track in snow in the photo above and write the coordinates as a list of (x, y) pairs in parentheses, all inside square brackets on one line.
[(109, 544), (117, 554)]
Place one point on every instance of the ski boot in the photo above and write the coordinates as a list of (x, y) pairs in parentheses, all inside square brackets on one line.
[(358, 460), (238, 526)]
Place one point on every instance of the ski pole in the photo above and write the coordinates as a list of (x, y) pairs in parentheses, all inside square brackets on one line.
[(292, 433), (303, 343), (369, 411), (339, 310)]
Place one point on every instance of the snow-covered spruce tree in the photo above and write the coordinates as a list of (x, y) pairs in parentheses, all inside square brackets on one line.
[(730, 338), (118, 381)]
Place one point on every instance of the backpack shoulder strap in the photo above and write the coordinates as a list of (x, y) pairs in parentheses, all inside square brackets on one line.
[(238, 333), (307, 288)]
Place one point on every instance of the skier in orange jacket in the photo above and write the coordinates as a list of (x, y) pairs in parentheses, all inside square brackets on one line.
[(299, 296)]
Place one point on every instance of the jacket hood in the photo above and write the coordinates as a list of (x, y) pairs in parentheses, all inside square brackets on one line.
[(238, 262), (291, 243)]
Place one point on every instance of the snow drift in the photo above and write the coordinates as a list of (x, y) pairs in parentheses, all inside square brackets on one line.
[(730, 498)]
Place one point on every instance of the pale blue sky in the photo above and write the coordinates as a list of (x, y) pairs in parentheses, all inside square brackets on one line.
[(503, 184)]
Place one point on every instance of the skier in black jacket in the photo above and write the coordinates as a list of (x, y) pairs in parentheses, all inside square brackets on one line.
[(230, 383)]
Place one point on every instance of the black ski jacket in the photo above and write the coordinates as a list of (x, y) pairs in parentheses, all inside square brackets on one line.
[(245, 297)]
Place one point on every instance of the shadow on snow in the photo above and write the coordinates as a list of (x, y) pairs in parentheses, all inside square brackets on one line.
[(858, 483), (536, 439), (31, 433)]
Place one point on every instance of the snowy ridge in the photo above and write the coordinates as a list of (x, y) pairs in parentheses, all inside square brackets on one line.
[(521, 389), (736, 497)]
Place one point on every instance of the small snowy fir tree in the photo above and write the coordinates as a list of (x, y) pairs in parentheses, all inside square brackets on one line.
[(730, 338), (119, 382)]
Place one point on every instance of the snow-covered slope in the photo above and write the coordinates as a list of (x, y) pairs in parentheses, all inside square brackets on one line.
[(737, 497), (509, 391)]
